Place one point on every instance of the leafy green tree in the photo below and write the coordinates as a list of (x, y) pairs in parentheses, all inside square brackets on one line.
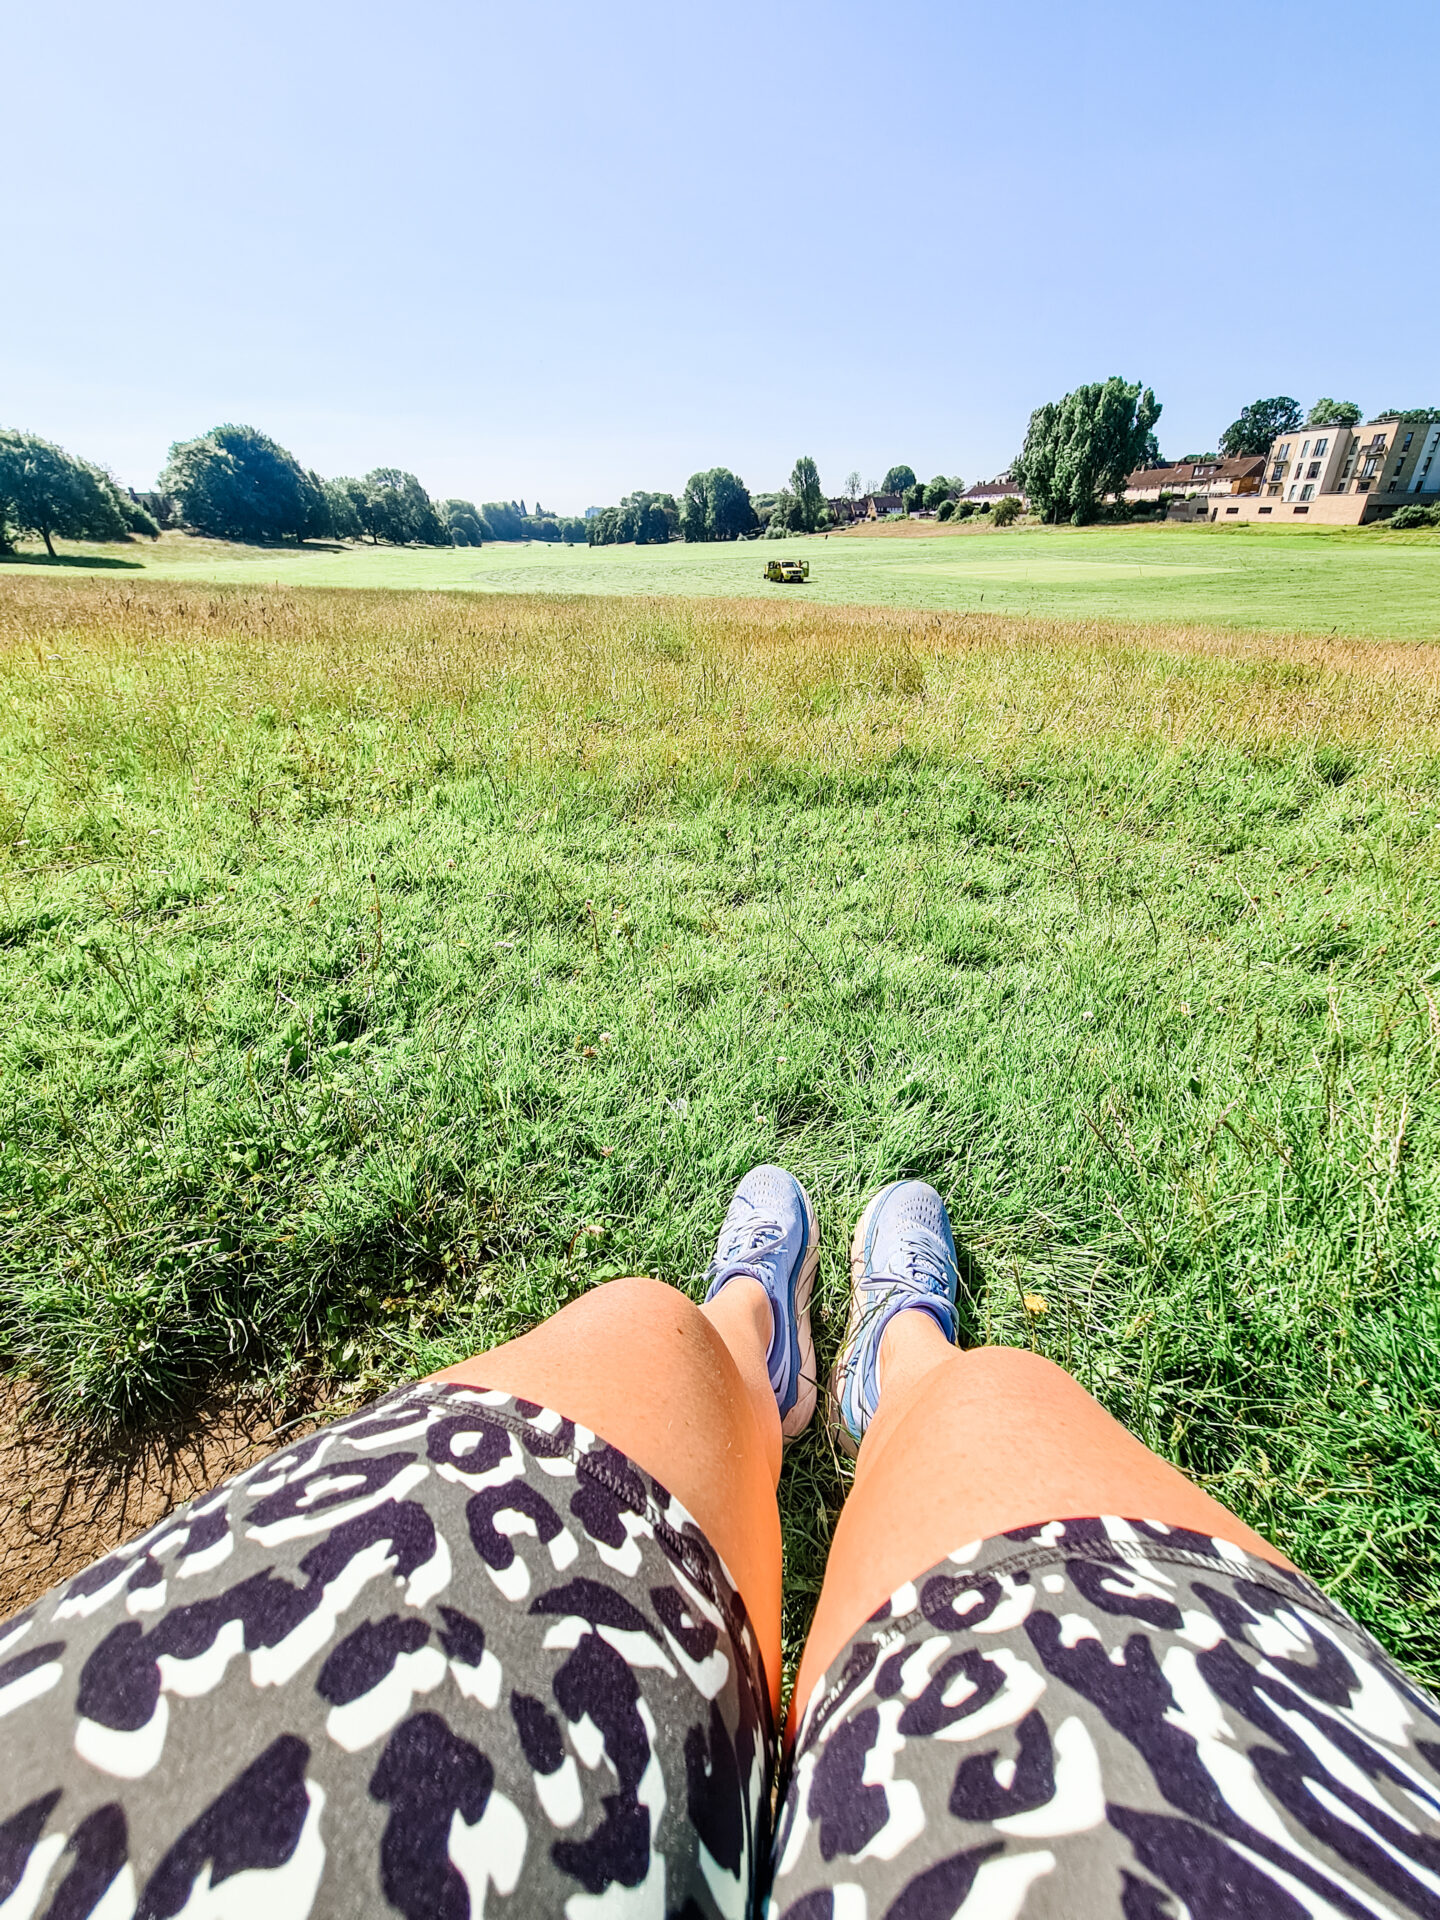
[(1257, 426), (853, 486), (398, 509), (236, 483), (341, 498), (897, 480), (47, 491), (138, 517), (946, 510), (1008, 510), (462, 517), (913, 498), (1080, 448), (809, 495), (1332, 413), (940, 490), (716, 506)]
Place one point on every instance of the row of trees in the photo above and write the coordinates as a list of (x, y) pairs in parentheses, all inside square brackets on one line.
[(649, 519), (46, 491), (236, 483)]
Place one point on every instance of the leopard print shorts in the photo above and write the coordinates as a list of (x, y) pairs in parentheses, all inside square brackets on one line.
[(457, 1655)]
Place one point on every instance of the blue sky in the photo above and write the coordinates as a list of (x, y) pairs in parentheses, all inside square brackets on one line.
[(564, 250)]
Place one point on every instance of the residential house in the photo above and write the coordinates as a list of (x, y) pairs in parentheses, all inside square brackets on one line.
[(1345, 476), (876, 506), (988, 492), (1195, 482)]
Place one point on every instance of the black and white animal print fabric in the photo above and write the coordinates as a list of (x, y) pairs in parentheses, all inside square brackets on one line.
[(1111, 1717), (452, 1656), (457, 1657)]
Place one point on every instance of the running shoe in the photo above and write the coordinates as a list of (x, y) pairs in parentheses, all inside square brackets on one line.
[(902, 1257), (770, 1235)]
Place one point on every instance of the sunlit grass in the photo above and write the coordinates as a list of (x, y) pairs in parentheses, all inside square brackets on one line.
[(379, 970)]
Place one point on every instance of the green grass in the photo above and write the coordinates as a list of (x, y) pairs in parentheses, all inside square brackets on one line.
[(1345, 581), (378, 971)]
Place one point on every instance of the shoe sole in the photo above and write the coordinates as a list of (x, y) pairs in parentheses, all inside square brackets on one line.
[(840, 1433), (799, 1416)]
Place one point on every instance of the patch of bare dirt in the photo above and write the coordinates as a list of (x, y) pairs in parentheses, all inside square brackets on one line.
[(64, 1502)]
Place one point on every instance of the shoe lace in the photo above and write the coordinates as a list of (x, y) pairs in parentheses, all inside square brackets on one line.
[(925, 1263), (744, 1246)]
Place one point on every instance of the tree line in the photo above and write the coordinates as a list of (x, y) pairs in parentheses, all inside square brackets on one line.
[(236, 483)]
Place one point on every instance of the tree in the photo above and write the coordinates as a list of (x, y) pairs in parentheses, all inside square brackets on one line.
[(809, 496), (1332, 413), (397, 508), (236, 483), (897, 480), (716, 506), (462, 517), (853, 487), (47, 491), (1080, 448), (913, 498), (1257, 426), (341, 497), (1007, 510), (940, 489)]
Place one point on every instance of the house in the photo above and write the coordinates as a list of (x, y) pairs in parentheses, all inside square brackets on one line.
[(1204, 477), (988, 492), (1345, 476), (843, 510), (876, 506)]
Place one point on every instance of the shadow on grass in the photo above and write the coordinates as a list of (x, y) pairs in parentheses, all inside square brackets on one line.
[(69, 560)]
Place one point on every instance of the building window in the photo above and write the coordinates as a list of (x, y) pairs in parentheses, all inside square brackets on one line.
[(1307, 493), (1291, 494), (1406, 447), (1392, 486), (1314, 469), (1232, 509), (1283, 453), (1267, 509), (1305, 450), (1362, 486), (1320, 446), (1302, 509)]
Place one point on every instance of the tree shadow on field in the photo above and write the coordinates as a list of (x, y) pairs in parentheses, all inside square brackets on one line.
[(69, 560)]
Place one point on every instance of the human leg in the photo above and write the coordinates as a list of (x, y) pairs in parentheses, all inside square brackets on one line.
[(1049, 1674), (474, 1637), (680, 1390), (964, 1446)]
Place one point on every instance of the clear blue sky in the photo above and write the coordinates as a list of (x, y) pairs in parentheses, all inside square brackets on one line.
[(564, 250)]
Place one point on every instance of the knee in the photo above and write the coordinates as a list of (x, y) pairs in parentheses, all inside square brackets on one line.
[(640, 1303), (1013, 1373)]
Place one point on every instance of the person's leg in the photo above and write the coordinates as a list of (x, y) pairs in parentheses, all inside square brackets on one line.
[(963, 1446), (684, 1392)]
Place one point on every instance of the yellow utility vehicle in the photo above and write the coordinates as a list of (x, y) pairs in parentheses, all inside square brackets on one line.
[(790, 573)]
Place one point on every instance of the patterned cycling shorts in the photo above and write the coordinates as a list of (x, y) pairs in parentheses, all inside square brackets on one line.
[(457, 1655)]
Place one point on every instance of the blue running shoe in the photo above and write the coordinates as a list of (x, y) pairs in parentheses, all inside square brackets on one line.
[(902, 1256), (770, 1234)]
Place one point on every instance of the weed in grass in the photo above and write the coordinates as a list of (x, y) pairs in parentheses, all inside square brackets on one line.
[(379, 972)]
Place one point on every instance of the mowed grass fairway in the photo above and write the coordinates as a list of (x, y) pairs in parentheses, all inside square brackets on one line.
[(380, 970), (1342, 581)]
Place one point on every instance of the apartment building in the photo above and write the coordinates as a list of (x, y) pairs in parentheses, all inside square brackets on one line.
[(1344, 476)]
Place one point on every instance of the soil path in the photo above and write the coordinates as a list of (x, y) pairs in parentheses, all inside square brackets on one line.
[(64, 1503)]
